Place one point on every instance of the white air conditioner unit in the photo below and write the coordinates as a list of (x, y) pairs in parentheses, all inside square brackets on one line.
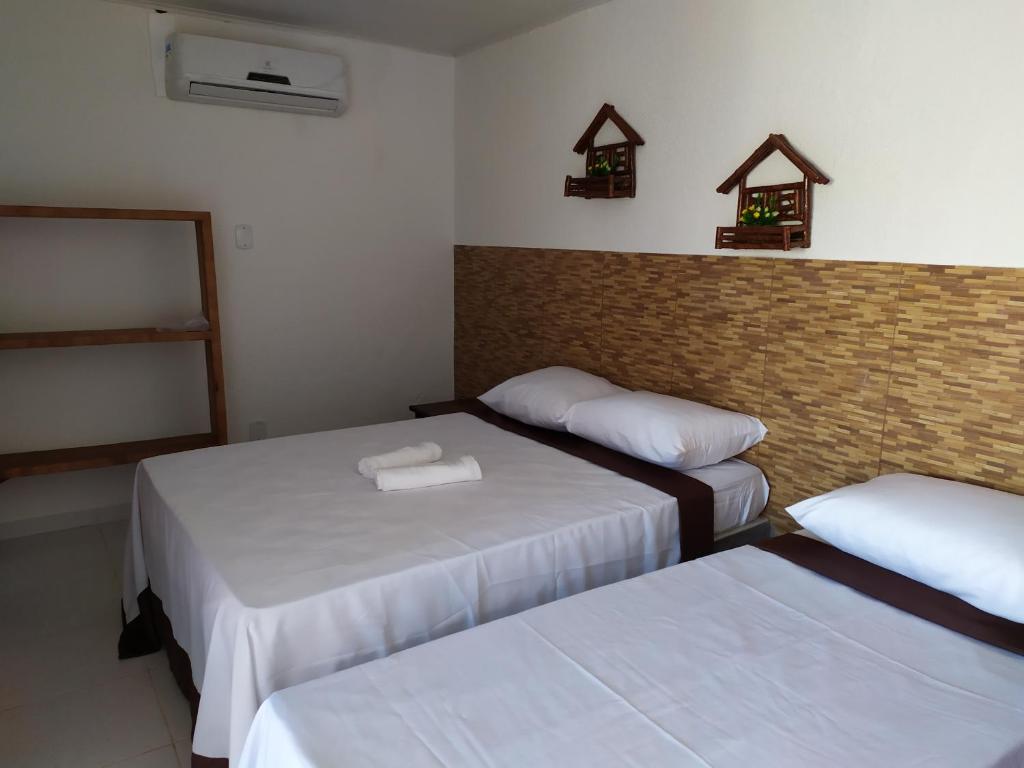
[(216, 71)]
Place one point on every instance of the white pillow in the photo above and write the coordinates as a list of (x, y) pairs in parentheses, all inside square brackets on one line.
[(664, 430), (957, 538), (543, 397)]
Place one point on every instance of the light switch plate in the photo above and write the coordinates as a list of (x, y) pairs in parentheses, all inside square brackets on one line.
[(243, 237)]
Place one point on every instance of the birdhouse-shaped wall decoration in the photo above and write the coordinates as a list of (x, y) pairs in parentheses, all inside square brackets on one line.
[(611, 168), (773, 216)]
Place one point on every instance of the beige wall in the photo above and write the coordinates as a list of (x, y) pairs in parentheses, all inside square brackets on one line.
[(340, 315), (911, 106)]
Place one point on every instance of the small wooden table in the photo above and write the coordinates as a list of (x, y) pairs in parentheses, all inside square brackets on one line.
[(424, 410)]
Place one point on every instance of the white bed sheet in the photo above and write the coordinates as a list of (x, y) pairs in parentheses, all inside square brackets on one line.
[(741, 491), (277, 563), (734, 660)]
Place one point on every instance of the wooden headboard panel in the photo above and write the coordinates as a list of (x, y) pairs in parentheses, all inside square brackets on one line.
[(857, 368)]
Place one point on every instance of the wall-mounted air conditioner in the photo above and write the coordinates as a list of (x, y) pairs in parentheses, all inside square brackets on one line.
[(216, 71)]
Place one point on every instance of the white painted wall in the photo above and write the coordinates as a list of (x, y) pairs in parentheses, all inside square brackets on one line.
[(911, 106), (340, 315)]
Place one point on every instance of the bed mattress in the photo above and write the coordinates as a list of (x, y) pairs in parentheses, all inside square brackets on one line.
[(741, 491), (733, 660), (276, 563)]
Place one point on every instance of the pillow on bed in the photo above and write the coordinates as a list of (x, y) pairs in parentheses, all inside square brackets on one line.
[(674, 433), (543, 397), (957, 538)]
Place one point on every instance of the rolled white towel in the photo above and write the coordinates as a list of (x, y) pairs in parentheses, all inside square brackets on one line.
[(406, 478), (410, 456)]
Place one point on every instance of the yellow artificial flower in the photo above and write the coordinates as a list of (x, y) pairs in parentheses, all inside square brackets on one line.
[(757, 215)]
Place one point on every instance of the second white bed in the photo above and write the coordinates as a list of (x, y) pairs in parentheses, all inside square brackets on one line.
[(735, 660)]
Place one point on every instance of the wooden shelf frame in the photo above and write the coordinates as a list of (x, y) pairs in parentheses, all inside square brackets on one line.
[(90, 457), (620, 155), (43, 339), (124, 214), (95, 456), (792, 228)]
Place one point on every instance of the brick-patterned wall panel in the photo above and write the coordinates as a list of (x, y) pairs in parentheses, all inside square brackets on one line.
[(498, 335), (856, 368), (638, 319), (571, 329), (518, 309), (721, 330), (476, 327), (829, 349), (517, 312), (956, 399)]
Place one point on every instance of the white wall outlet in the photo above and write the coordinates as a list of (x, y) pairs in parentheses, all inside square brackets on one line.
[(243, 237), (258, 430)]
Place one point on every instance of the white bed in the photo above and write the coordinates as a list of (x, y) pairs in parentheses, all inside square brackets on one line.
[(741, 492), (276, 563), (739, 659)]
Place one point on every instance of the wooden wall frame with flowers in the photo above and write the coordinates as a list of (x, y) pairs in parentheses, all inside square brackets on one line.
[(611, 168), (773, 216)]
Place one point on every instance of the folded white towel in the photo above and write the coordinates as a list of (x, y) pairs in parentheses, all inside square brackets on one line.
[(410, 456), (406, 478)]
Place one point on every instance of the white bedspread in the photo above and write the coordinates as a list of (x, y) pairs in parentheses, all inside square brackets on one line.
[(741, 491), (740, 659), (277, 563)]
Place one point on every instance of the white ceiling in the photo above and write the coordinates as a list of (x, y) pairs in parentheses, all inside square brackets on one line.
[(441, 26)]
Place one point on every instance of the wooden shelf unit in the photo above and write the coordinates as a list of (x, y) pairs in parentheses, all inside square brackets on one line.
[(621, 157), (792, 201), (41, 339), (93, 456), (781, 237), (605, 187)]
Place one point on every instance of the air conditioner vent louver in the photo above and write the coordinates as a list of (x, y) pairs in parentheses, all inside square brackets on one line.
[(214, 71), (260, 96)]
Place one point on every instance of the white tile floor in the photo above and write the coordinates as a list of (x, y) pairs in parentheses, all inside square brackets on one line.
[(65, 699)]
